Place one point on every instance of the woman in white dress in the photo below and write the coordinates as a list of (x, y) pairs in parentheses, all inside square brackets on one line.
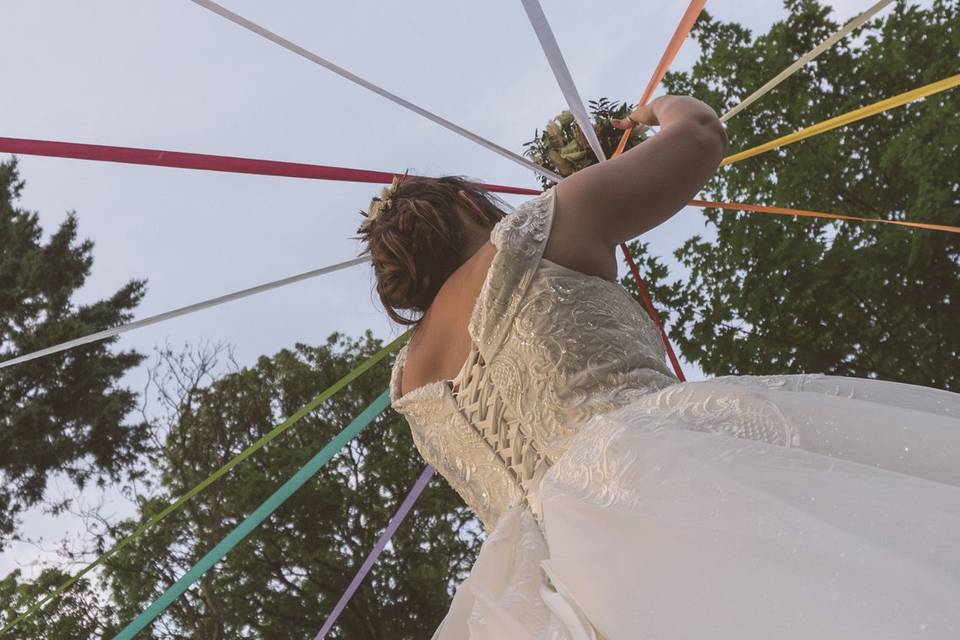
[(618, 502)]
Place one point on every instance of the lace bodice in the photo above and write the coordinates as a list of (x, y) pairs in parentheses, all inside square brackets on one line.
[(552, 348)]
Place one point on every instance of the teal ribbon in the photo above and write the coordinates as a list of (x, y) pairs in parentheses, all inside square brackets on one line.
[(254, 519), (325, 395)]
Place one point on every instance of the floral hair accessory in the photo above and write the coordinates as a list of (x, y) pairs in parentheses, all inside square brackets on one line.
[(377, 205)]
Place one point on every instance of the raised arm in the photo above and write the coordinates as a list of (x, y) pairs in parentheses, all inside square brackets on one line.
[(614, 201)]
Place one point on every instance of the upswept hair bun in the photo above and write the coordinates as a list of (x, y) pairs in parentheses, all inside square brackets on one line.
[(417, 240)]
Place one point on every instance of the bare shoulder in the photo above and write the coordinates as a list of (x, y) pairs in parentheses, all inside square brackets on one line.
[(441, 343), (574, 242)]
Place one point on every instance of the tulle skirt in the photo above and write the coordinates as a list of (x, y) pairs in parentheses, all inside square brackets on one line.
[(742, 507)]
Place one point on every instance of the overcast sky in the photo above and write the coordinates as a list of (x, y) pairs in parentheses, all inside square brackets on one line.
[(170, 75)]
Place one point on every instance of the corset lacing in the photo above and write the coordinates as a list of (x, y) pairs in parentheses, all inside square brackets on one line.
[(498, 426)]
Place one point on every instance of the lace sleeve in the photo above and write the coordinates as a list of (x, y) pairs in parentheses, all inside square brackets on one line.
[(520, 239)]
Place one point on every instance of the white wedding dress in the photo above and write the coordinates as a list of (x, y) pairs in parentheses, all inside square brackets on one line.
[(620, 503)]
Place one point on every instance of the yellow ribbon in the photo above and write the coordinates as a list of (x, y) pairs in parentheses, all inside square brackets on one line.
[(847, 118)]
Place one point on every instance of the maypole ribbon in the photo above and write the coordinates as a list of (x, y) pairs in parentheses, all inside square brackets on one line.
[(366, 84), (261, 513), (157, 157), (673, 47), (847, 118), (562, 74), (756, 208), (325, 395), (555, 57), (378, 548), (208, 162), (687, 21), (548, 42), (182, 311), (806, 58)]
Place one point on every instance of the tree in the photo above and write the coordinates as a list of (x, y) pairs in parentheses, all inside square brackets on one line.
[(771, 294), (286, 577), (767, 294), (64, 413), (78, 614)]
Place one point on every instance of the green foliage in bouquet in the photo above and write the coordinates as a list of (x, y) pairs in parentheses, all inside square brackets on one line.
[(562, 147)]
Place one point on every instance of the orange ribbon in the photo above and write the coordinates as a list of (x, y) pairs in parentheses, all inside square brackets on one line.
[(673, 47), (782, 211), (683, 30)]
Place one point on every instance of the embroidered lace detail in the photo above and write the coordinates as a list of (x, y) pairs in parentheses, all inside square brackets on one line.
[(495, 422), (557, 348), (454, 448), (599, 467), (519, 239), (719, 407)]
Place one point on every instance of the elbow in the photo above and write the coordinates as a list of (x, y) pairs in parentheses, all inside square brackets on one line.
[(711, 137)]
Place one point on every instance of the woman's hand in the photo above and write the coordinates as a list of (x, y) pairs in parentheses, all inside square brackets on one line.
[(642, 116), (611, 202)]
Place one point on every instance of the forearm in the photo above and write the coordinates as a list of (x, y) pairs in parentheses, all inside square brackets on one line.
[(628, 195)]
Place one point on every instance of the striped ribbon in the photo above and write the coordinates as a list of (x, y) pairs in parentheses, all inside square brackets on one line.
[(182, 311), (216, 475), (366, 84), (806, 58), (378, 548), (271, 167), (847, 118), (261, 513)]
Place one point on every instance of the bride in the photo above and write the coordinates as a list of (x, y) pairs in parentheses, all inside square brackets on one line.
[(619, 503)]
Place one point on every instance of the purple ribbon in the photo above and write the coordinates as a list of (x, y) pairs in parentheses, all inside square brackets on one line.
[(385, 537)]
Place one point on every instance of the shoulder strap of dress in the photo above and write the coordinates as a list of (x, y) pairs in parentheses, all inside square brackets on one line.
[(520, 239)]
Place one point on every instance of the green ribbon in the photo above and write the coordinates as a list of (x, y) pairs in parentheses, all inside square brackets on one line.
[(254, 519), (240, 457)]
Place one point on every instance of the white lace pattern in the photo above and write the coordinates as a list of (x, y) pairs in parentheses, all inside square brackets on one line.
[(560, 347)]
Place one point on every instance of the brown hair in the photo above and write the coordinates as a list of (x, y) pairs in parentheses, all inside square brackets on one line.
[(417, 240)]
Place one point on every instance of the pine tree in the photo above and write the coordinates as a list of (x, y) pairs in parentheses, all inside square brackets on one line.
[(65, 413)]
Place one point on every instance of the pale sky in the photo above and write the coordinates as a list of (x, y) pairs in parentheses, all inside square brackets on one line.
[(170, 75)]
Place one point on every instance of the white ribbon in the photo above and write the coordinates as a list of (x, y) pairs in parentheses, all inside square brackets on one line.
[(560, 71), (805, 58), (352, 77), (182, 311)]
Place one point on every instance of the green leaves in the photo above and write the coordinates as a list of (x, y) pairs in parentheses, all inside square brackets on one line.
[(769, 294), (65, 413), (562, 147), (284, 579), (81, 614)]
